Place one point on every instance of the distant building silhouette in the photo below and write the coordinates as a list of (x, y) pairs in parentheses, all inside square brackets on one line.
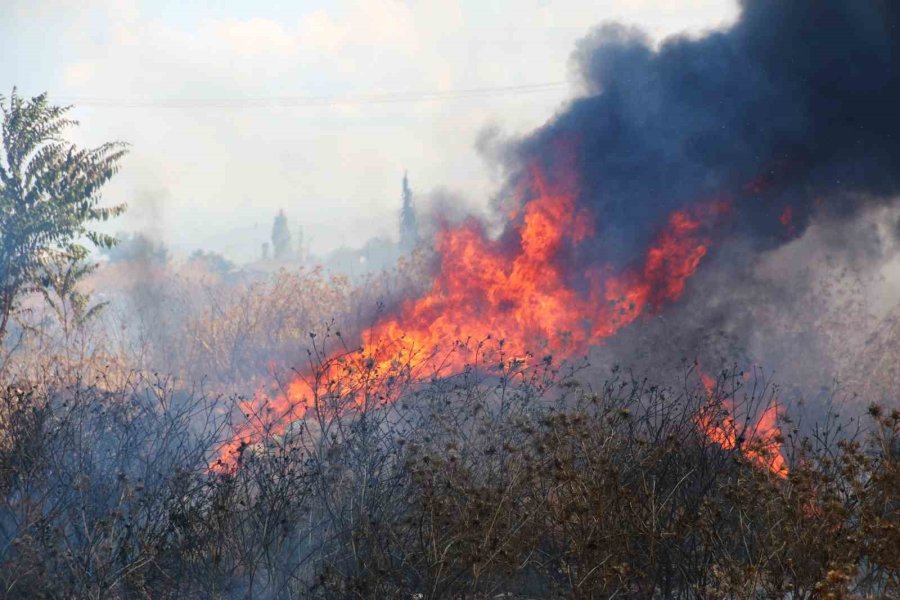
[(409, 224), (300, 246)]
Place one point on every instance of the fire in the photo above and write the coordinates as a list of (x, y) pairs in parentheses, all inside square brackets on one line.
[(516, 289), (787, 215), (786, 218), (760, 442)]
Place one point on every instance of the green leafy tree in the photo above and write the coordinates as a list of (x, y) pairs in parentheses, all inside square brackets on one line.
[(49, 197), (211, 261), (72, 307), (59, 287), (281, 237)]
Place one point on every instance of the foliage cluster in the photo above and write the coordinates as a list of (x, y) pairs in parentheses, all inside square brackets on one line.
[(49, 197)]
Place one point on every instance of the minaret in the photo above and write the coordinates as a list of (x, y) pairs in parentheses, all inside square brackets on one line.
[(300, 249), (409, 225)]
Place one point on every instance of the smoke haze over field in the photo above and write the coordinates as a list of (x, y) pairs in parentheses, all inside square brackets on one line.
[(769, 123), (629, 327), (222, 173)]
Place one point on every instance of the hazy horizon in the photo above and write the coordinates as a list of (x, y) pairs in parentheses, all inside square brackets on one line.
[(215, 102)]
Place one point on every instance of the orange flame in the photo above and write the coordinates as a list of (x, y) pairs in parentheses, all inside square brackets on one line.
[(514, 289), (759, 442)]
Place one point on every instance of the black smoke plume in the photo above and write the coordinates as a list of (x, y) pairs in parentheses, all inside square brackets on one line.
[(791, 114), (792, 111)]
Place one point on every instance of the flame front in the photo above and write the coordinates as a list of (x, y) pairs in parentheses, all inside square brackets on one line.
[(517, 289)]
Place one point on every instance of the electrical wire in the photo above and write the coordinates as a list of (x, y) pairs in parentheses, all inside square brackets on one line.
[(311, 101)]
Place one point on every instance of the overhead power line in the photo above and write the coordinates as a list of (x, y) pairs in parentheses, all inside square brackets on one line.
[(304, 101)]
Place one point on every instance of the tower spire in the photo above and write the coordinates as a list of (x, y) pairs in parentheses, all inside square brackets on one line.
[(409, 225)]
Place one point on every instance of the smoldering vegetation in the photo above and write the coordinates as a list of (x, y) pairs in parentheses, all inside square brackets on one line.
[(818, 313)]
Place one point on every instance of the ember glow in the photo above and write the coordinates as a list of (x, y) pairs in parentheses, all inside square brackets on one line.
[(517, 289)]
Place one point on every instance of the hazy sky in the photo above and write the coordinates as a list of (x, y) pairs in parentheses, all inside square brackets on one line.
[(190, 85)]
